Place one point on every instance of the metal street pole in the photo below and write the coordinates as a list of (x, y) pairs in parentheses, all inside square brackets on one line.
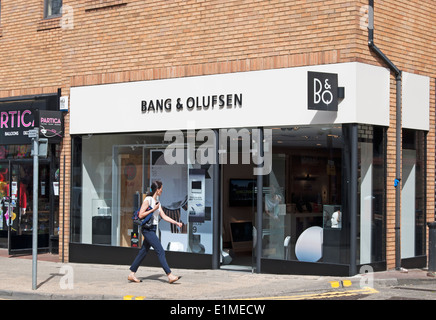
[(35, 153)]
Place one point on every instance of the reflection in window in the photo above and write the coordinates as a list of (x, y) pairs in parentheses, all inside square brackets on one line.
[(413, 195), (53, 8), (15, 151), (372, 182), (112, 174), (303, 195)]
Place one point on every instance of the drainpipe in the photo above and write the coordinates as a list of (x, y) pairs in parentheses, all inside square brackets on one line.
[(397, 73)]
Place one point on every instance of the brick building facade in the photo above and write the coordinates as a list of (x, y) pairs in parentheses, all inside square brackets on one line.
[(103, 42)]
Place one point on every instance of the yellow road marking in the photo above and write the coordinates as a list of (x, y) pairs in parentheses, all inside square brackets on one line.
[(338, 284), (346, 283), (132, 297), (330, 294)]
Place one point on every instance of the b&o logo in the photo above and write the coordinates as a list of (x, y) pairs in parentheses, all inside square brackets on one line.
[(322, 91)]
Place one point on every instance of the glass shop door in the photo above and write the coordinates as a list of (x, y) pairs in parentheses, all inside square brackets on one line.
[(16, 205)]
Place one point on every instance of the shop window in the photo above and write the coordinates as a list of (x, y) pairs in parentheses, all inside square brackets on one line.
[(52, 8), (303, 196), (15, 151), (112, 174), (371, 194), (413, 194)]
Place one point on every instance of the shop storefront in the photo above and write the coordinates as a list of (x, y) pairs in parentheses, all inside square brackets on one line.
[(280, 171), (17, 116)]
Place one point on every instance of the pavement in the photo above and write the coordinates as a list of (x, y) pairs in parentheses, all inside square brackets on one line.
[(77, 281)]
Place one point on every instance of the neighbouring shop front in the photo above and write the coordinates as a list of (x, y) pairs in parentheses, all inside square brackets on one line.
[(17, 117), (279, 171)]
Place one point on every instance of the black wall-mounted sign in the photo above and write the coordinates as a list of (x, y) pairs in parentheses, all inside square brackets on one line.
[(17, 117), (51, 125), (322, 91)]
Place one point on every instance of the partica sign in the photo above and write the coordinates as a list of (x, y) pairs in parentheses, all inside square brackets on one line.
[(16, 120), (51, 125)]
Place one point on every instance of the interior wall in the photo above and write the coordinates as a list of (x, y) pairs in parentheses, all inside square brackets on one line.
[(233, 214)]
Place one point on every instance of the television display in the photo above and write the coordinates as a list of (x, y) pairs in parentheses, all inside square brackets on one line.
[(242, 192)]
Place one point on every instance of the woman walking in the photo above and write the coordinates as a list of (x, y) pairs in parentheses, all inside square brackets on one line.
[(150, 237)]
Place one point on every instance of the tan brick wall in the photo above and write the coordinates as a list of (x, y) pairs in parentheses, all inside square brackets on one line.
[(153, 34), (404, 31), (30, 59), (129, 40)]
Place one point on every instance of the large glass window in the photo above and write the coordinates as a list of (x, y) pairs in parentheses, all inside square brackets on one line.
[(372, 185), (303, 196), (413, 194), (112, 173), (16, 199)]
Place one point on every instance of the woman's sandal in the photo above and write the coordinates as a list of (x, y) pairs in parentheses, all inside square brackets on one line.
[(172, 280), (133, 279)]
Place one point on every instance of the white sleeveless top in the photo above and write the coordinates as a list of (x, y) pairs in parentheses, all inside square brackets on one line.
[(152, 203)]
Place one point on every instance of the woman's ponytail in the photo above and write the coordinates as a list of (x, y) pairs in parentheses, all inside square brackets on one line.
[(154, 186)]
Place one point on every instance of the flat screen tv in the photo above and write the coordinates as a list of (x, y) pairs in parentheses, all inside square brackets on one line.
[(242, 192)]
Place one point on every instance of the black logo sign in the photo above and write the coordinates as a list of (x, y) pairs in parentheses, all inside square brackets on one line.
[(322, 91), (51, 125), (17, 118)]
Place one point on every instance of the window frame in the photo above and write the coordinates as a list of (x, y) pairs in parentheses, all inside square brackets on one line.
[(46, 6)]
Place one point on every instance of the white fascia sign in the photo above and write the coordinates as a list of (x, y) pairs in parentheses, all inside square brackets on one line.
[(277, 97)]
